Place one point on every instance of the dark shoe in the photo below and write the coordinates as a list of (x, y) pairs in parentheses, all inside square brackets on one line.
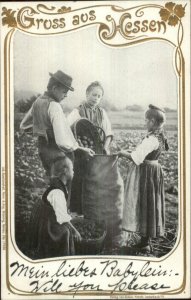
[(125, 250), (146, 249), (144, 245), (144, 241)]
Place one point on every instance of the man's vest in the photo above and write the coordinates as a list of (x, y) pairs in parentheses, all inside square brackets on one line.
[(41, 122)]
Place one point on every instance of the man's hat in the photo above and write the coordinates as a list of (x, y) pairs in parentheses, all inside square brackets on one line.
[(63, 78)]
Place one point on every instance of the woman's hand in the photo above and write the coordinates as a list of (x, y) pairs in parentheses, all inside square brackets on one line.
[(77, 236), (121, 153), (106, 151), (124, 153)]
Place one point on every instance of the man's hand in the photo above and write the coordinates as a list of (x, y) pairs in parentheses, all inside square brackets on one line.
[(87, 151)]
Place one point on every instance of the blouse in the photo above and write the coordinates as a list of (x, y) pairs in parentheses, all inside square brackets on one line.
[(57, 199), (75, 116), (148, 145)]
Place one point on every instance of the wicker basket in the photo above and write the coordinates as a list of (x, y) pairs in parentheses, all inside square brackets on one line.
[(90, 246), (85, 131)]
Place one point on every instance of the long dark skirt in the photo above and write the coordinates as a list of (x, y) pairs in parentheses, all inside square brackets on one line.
[(46, 237), (144, 204), (152, 199)]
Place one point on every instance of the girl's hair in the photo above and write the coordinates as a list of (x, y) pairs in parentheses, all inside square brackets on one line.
[(53, 82), (59, 166), (94, 84), (157, 114)]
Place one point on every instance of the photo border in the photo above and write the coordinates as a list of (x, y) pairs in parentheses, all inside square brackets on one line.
[(181, 157)]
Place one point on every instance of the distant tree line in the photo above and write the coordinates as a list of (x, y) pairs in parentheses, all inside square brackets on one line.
[(134, 107), (23, 105)]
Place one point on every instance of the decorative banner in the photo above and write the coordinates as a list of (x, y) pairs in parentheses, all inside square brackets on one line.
[(119, 25)]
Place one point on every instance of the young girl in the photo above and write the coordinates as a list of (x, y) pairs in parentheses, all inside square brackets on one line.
[(51, 233), (144, 204), (91, 110)]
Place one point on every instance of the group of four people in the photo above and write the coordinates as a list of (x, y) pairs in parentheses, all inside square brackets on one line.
[(144, 190)]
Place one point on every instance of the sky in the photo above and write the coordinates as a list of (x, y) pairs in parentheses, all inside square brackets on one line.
[(140, 74)]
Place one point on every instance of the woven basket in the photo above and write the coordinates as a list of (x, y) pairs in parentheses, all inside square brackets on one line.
[(90, 246), (86, 131)]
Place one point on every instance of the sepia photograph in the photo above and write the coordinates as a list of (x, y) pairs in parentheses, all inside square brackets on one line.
[(95, 194)]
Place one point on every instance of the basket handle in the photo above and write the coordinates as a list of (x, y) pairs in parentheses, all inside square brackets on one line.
[(101, 134)]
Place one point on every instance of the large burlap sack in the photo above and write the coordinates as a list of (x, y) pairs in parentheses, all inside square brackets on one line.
[(103, 194), (90, 136)]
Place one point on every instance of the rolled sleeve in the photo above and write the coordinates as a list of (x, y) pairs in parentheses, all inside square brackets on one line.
[(27, 121), (147, 146), (58, 201), (107, 125), (63, 135), (73, 117)]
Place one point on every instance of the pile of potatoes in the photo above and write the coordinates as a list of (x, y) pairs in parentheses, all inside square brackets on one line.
[(87, 142), (89, 229)]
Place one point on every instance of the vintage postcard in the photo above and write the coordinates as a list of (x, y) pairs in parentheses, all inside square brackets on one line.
[(95, 149)]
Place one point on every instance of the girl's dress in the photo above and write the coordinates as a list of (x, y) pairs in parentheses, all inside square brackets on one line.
[(144, 205), (49, 234)]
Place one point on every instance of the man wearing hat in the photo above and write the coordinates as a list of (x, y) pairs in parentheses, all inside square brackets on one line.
[(55, 138)]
